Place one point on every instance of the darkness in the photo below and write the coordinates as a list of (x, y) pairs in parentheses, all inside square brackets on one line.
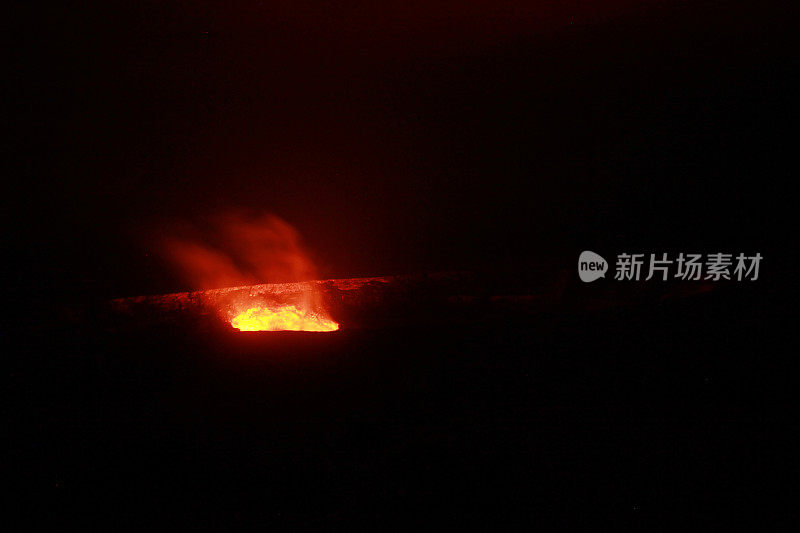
[(402, 138), (396, 140)]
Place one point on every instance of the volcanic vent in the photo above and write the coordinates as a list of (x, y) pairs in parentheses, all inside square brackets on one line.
[(236, 250)]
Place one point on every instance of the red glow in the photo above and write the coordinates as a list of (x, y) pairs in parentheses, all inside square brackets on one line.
[(237, 250)]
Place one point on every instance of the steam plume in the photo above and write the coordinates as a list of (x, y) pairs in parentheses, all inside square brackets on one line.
[(236, 249)]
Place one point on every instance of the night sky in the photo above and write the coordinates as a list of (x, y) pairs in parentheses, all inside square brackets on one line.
[(405, 138)]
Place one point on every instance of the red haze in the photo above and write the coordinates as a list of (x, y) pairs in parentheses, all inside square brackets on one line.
[(236, 249)]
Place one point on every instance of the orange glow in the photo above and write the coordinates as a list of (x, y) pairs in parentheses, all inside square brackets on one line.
[(284, 318)]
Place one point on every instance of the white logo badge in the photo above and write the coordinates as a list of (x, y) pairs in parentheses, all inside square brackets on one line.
[(591, 266)]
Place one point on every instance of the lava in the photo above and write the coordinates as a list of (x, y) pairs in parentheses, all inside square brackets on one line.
[(284, 318)]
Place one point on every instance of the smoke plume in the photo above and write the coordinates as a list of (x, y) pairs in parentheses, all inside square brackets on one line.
[(238, 249)]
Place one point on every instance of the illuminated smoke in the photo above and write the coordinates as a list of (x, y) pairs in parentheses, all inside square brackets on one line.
[(235, 249)]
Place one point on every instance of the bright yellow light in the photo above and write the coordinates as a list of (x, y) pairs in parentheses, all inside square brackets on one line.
[(285, 318)]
